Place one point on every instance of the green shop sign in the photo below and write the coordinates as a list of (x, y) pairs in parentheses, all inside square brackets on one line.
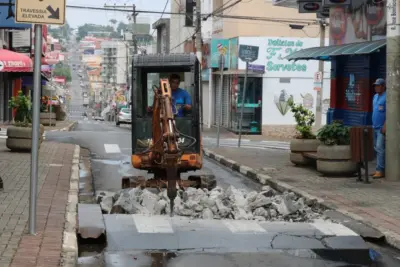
[(277, 50)]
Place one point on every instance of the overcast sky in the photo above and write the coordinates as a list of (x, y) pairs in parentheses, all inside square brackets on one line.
[(77, 17)]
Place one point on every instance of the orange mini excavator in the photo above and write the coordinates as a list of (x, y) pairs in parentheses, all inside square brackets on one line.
[(164, 143)]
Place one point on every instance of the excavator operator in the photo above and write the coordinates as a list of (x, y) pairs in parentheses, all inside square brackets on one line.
[(181, 101)]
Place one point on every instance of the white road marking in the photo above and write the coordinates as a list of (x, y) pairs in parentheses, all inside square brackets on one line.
[(333, 229), (112, 148), (149, 224), (244, 226)]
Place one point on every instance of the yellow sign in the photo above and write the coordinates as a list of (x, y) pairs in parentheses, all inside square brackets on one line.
[(40, 11)]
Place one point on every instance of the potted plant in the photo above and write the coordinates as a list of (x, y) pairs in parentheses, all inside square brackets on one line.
[(19, 136), (47, 116), (305, 140), (334, 153)]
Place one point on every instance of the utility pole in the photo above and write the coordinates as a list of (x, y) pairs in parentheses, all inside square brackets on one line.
[(199, 54), (134, 14), (393, 91), (318, 115), (33, 185)]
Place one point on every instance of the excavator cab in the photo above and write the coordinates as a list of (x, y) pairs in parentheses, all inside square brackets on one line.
[(147, 72), (166, 136)]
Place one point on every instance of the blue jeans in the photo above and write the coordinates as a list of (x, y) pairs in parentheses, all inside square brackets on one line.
[(379, 146)]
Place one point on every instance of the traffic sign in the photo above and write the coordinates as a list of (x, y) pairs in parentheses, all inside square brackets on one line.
[(318, 81), (248, 53), (40, 11), (318, 77)]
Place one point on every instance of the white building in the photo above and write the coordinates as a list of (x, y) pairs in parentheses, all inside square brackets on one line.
[(115, 62), (180, 33)]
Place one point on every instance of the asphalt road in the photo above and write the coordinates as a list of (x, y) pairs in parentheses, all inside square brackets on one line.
[(139, 241)]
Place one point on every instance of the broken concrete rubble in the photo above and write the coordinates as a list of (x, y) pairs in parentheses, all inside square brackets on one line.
[(217, 203)]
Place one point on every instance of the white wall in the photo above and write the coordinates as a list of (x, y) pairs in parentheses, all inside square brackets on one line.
[(300, 88), (295, 78), (207, 26)]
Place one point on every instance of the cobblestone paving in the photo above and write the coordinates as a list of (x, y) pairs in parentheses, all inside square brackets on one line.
[(16, 246)]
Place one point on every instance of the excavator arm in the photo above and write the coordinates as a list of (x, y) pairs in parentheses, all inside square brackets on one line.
[(165, 138)]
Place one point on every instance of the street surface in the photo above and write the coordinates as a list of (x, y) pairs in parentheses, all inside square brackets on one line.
[(202, 243)]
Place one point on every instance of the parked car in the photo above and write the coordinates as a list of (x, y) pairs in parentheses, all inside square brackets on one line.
[(124, 117)]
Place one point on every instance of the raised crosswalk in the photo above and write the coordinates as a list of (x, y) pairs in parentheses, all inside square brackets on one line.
[(3, 134), (246, 143), (164, 232)]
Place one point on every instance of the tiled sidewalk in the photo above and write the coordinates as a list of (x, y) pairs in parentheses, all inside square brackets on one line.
[(377, 203), (17, 247)]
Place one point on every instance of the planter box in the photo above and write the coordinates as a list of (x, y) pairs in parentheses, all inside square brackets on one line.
[(300, 146), (47, 118), (20, 138), (335, 160)]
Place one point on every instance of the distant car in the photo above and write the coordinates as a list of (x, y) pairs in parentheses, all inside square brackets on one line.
[(124, 117)]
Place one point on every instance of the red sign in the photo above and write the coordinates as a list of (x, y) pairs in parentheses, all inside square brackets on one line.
[(374, 12), (59, 79), (338, 23)]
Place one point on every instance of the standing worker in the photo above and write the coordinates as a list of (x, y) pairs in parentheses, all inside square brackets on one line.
[(379, 125)]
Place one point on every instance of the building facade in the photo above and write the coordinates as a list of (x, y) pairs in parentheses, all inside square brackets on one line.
[(357, 52), (115, 60), (227, 26)]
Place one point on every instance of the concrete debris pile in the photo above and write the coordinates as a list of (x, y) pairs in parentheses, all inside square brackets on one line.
[(231, 203)]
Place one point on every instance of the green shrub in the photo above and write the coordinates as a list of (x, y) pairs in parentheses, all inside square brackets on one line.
[(304, 121), (22, 104), (334, 134)]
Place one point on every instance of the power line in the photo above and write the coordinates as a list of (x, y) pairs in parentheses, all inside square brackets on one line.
[(304, 21), (193, 35), (165, 7)]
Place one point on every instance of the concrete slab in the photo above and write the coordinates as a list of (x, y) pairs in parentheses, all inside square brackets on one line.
[(90, 221), (220, 259), (358, 227), (140, 232)]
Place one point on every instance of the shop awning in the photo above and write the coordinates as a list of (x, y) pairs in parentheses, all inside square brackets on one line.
[(327, 52), (14, 62)]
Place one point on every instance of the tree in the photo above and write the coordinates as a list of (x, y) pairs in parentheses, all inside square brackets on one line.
[(101, 30), (113, 22), (62, 70), (122, 27)]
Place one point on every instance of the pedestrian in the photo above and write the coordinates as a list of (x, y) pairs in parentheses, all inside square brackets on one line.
[(379, 125)]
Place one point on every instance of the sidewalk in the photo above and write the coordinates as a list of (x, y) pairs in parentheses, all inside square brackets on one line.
[(375, 204), (60, 126), (225, 134), (17, 247)]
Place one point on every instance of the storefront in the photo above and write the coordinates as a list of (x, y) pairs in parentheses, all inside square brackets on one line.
[(272, 82), (357, 53), (354, 68), (12, 66)]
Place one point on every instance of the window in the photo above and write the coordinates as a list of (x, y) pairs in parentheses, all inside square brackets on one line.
[(144, 97)]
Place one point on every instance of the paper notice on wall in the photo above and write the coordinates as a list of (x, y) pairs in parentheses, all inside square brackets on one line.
[(393, 19)]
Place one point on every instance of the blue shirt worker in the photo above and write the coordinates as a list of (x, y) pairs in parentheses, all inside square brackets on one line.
[(181, 101), (379, 125)]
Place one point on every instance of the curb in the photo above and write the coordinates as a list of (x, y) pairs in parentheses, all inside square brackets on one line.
[(69, 254), (65, 129), (391, 238)]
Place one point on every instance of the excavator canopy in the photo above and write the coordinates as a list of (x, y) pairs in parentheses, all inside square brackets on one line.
[(147, 70)]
